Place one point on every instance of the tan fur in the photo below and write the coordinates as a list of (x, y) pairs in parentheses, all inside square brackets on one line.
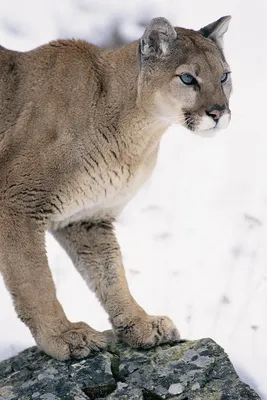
[(80, 129)]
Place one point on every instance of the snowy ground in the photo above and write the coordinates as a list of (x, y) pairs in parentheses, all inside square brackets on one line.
[(195, 239)]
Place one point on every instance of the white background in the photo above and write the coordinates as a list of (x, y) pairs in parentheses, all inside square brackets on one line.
[(195, 239)]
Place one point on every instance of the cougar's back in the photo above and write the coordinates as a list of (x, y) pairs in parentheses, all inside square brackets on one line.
[(9, 88)]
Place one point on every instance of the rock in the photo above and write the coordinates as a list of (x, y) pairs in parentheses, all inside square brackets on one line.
[(185, 371)]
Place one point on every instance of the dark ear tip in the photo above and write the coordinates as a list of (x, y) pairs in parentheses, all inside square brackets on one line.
[(226, 19)]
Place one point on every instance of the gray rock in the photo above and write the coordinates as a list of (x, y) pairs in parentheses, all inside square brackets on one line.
[(185, 371)]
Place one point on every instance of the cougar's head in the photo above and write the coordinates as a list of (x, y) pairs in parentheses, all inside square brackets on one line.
[(184, 77)]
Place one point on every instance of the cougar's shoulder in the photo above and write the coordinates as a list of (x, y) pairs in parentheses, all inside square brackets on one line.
[(62, 69)]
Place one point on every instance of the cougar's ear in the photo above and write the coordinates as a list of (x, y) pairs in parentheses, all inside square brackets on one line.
[(157, 38), (216, 30)]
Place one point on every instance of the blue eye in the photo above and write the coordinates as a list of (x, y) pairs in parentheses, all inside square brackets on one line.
[(188, 79), (224, 77)]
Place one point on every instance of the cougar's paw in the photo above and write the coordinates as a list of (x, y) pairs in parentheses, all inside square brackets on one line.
[(147, 331), (76, 342)]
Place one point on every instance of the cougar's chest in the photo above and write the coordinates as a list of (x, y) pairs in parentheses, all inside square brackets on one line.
[(103, 192)]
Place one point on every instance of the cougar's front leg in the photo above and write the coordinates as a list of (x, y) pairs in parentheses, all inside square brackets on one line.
[(24, 266), (95, 252)]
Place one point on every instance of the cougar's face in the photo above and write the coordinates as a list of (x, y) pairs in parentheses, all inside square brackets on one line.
[(192, 80), (200, 90)]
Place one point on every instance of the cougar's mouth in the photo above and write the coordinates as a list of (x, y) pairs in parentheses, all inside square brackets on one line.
[(205, 125)]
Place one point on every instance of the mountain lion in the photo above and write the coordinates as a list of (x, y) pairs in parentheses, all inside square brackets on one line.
[(80, 130)]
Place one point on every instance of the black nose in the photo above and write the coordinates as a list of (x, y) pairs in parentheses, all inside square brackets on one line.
[(216, 111)]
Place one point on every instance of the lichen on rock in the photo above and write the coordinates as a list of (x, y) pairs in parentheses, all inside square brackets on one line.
[(184, 371)]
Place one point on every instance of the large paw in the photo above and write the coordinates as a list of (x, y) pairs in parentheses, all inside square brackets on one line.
[(146, 331), (75, 342)]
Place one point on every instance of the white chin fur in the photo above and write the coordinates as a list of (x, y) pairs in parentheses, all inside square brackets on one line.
[(205, 123)]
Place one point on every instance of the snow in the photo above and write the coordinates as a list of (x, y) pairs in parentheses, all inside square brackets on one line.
[(194, 239)]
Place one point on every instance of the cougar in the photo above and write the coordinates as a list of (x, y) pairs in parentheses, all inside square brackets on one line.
[(80, 130)]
